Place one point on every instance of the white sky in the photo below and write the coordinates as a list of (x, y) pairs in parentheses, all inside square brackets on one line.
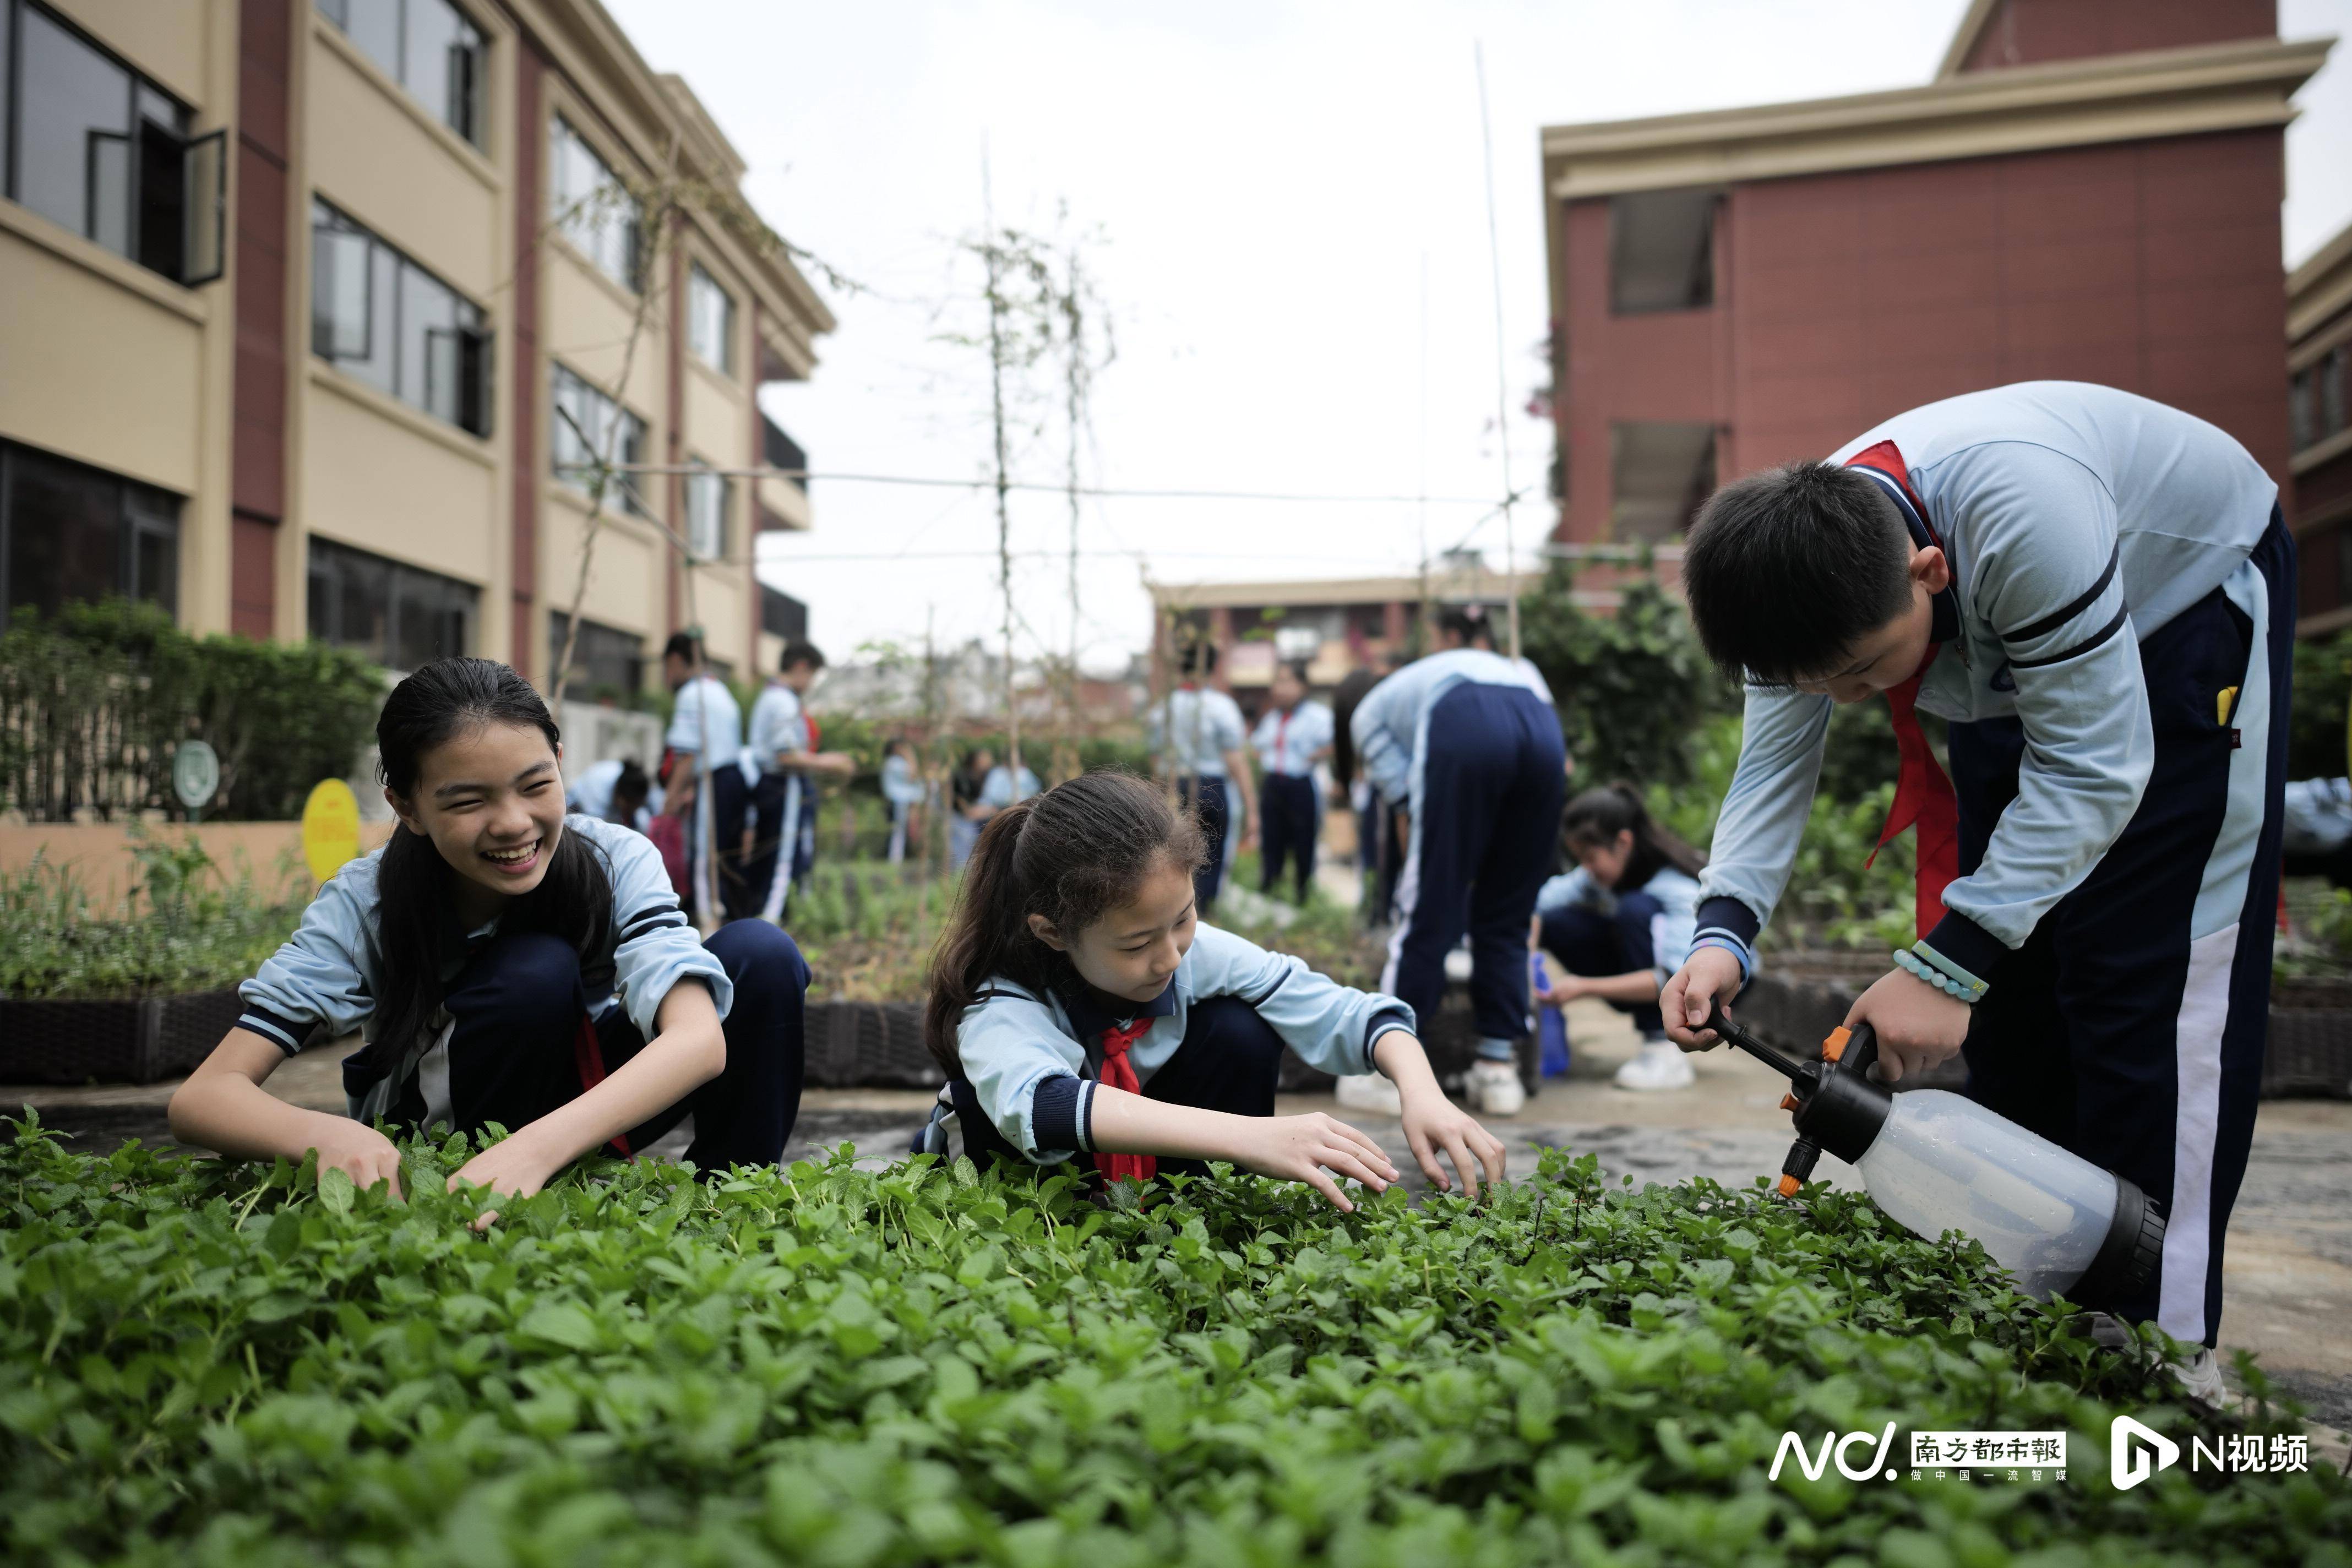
[(1271, 178)]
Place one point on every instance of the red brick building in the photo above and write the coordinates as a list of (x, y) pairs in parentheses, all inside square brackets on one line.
[(2319, 386), (2088, 190)]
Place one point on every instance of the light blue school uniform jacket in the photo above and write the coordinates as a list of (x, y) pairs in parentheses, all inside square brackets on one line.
[(1671, 929), (1288, 750), (1013, 1043), (322, 983), (1193, 727), (997, 788), (1390, 727), (2078, 521)]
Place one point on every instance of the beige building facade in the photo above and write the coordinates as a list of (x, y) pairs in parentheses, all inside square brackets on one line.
[(312, 311)]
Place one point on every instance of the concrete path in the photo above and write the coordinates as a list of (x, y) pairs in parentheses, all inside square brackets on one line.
[(2289, 1267)]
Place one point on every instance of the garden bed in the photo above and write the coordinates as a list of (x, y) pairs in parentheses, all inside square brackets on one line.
[(137, 1040), (203, 1361)]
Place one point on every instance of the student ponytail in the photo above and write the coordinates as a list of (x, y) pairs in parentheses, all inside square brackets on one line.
[(1080, 849), (1595, 818), (416, 925)]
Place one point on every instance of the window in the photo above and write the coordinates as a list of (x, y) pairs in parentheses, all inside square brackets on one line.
[(428, 46), (2316, 397), (593, 208), (70, 532), (402, 617), (607, 661), (582, 437), (706, 512), (378, 316), (1662, 251), (89, 144), (710, 320), (1660, 474), (782, 616)]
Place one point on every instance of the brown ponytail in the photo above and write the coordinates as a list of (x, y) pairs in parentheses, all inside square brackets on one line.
[(1080, 849)]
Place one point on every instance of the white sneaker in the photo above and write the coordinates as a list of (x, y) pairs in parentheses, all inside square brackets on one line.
[(1495, 1089), (1661, 1065), (1370, 1091), (1459, 966), (2200, 1379)]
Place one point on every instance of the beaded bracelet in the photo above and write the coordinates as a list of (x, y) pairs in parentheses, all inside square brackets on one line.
[(1912, 963)]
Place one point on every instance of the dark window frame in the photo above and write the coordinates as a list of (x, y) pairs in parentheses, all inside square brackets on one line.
[(133, 522), (456, 596), (475, 131), (706, 473), (472, 363), (599, 648), (1697, 287), (700, 282), (565, 212), (628, 487), (151, 146)]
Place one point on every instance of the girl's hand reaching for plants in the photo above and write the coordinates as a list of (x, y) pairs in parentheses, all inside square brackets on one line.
[(1313, 1149), (1434, 1123), (509, 1165), (359, 1152)]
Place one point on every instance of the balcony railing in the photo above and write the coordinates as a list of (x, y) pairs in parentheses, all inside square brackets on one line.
[(782, 452)]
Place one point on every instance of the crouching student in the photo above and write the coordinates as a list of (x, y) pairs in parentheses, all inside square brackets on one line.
[(1622, 922), (507, 963), (1081, 1011)]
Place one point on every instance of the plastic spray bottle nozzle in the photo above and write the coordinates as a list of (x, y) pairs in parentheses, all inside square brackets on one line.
[(1788, 1185)]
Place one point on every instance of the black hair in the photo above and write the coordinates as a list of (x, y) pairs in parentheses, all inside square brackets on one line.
[(685, 646), (1296, 669), (1595, 818), (1200, 658), (800, 652), (416, 927), (1346, 698), (1788, 569), (1471, 623), (629, 785), (1080, 849)]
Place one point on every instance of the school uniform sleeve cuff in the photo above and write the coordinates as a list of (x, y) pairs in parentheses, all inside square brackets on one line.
[(287, 1034), (1725, 916), (1063, 1114), (1399, 1016), (1968, 944)]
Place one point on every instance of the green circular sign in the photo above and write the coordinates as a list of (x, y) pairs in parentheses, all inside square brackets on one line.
[(195, 774)]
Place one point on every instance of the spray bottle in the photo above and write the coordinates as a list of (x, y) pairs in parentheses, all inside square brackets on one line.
[(1936, 1162)]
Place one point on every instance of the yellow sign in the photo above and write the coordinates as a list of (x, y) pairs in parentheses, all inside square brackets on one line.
[(331, 827)]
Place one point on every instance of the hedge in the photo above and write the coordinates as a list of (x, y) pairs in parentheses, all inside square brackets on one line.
[(95, 699), (202, 1363)]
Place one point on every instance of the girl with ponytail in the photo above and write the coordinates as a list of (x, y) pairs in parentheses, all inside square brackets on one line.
[(1081, 1010), (1622, 922), (507, 963)]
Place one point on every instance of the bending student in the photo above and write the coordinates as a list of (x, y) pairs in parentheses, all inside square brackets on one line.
[(2098, 591), (507, 963), (1081, 1010)]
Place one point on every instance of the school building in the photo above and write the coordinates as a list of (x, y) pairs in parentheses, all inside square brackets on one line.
[(2319, 366), (1336, 626), (312, 311), (2088, 190)]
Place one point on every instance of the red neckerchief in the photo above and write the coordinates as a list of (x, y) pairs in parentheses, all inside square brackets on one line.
[(1118, 1072), (1281, 733), (1922, 794)]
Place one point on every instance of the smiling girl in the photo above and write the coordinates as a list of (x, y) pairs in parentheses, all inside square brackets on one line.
[(1081, 1010), (508, 963)]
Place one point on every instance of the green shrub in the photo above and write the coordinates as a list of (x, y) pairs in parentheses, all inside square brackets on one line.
[(2322, 702), (1633, 687), (95, 699), (203, 1363), (185, 927)]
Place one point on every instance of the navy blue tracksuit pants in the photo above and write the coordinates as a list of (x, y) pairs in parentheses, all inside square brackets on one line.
[(1287, 816), (1594, 943), (1485, 832), (770, 870), (1231, 1060), (523, 1045), (1215, 817), (2130, 1027)]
